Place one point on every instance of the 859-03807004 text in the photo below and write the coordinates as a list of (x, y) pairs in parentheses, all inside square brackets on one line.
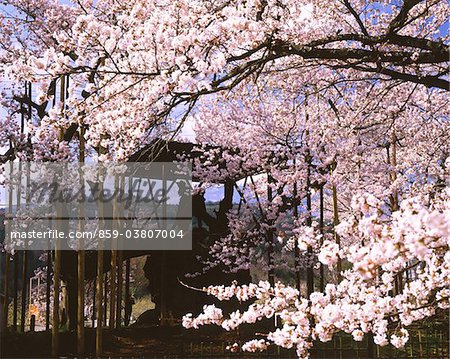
[(100, 233)]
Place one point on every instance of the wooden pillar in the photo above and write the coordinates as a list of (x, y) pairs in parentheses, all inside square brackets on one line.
[(81, 255), (56, 289), (112, 291), (105, 299), (80, 304), (113, 271), (321, 227), (308, 161), (119, 290), (24, 290), (335, 223), (163, 279), (121, 211), (100, 273), (99, 295), (310, 267), (6, 292), (298, 281), (22, 252), (57, 257), (15, 290), (16, 254), (5, 308), (48, 289), (393, 163), (25, 252), (127, 285), (270, 235), (94, 308), (163, 289)]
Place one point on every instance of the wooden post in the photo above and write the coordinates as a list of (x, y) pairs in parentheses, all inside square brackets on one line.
[(419, 332), (321, 225), (25, 253), (298, 281), (112, 295), (270, 235), (393, 163), (31, 292), (56, 287), (7, 257), (119, 289), (121, 210), (105, 299), (81, 254), (18, 203), (6, 292), (94, 310), (15, 290), (163, 278), (127, 285), (163, 291), (112, 292), (48, 289), (335, 223), (80, 300), (16, 254), (24, 291), (310, 268), (57, 258), (99, 295), (100, 279), (370, 346)]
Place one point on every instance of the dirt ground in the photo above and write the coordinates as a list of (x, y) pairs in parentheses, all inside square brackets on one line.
[(144, 342)]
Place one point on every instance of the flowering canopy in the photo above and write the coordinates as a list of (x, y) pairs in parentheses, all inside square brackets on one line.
[(340, 102)]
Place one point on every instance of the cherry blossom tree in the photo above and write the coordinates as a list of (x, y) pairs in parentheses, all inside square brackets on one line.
[(339, 108), (135, 62)]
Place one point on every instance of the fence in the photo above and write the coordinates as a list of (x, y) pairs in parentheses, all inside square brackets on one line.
[(423, 343)]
